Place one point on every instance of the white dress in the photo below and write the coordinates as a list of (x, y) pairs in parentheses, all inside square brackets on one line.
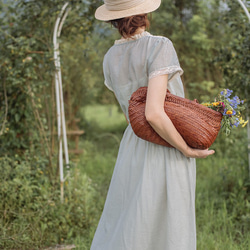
[(151, 199)]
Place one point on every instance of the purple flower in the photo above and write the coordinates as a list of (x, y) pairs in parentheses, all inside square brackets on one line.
[(229, 92), (236, 124), (234, 102), (236, 99), (226, 92)]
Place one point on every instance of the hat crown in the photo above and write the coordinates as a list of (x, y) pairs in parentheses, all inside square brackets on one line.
[(119, 5), (115, 9)]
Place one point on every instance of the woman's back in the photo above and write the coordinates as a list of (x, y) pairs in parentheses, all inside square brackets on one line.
[(130, 63)]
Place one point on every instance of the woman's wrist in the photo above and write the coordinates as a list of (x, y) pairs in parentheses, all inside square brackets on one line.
[(187, 151)]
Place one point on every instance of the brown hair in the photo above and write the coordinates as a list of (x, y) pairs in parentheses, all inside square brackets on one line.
[(127, 26)]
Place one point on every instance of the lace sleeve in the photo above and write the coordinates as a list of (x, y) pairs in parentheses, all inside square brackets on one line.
[(171, 70), (163, 59)]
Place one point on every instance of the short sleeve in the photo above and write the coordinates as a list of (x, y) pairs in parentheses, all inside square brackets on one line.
[(108, 85), (106, 73), (163, 59)]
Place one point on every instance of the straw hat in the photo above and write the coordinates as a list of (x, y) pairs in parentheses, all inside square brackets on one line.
[(115, 9)]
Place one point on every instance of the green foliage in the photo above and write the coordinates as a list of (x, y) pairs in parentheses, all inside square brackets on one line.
[(234, 57), (222, 202), (32, 215), (82, 72), (31, 212), (27, 70), (223, 192)]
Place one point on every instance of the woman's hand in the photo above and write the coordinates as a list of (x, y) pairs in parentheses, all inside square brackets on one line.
[(198, 153)]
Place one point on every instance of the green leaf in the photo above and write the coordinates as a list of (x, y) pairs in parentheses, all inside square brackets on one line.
[(17, 117)]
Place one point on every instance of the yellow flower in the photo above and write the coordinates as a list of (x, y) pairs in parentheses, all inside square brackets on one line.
[(206, 104), (241, 120), (229, 112), (245, 123), (216, 103)]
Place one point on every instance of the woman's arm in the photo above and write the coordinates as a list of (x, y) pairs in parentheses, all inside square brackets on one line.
[(161, 123)]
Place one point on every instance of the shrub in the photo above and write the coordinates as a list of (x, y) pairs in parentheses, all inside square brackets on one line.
[(32, 214)]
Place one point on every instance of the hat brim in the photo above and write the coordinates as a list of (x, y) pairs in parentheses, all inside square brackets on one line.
[(103, 14)]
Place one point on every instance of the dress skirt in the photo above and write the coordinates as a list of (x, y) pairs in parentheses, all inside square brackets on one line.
[(150, 204)]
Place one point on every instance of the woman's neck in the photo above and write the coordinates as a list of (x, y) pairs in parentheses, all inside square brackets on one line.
[(138, 31)]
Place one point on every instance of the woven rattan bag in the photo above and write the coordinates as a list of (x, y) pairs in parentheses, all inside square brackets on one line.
[(197, 124)]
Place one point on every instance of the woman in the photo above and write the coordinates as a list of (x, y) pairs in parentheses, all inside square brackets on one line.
[(151, 199)]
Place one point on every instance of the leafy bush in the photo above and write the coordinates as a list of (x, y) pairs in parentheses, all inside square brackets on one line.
[(32, 214)]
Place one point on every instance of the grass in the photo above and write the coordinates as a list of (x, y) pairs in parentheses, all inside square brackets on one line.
[(106, 117), (222, 193)]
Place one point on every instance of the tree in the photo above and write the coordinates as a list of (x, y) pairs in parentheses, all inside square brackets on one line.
[(234, 56), (27, 108)]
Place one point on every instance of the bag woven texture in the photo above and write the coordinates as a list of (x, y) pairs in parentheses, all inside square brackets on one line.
[(197, 124)]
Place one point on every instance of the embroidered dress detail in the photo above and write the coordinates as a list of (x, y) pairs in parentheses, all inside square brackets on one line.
[(166, 71), (132, 38)]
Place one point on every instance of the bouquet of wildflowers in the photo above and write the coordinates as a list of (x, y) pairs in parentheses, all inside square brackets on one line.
[(230, 108)]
